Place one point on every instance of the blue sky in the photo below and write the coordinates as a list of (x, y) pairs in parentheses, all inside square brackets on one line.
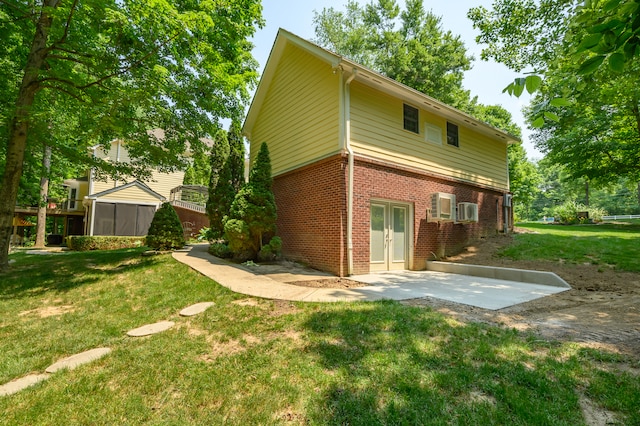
[(485, 80)]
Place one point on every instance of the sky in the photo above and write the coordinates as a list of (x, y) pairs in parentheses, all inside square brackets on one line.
[(485, 80)]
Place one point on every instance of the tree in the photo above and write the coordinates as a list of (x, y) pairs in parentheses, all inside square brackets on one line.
[(221, 192), (597, 137), (587, 113), (117, 69), (236, 155), (523, 176), (252, 217), (44, 194), (408, 46), (165, 231)]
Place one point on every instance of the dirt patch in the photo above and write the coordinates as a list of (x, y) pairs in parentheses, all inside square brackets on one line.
[(48, 311), (329, 283), (602, 309)]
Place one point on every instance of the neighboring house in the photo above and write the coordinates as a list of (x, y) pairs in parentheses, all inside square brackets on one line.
[(370, 174), (126, 207)]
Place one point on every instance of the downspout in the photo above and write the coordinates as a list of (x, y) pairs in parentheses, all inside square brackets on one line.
[(347, 146), (507, 208)]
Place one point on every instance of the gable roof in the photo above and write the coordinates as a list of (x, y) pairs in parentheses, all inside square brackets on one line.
[(135, 183), (366, 76)]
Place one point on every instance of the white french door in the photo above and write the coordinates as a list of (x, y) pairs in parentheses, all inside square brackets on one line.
[(389, 236)]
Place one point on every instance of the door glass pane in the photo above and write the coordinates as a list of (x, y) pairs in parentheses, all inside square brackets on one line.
[(399, 239), (377, 233)]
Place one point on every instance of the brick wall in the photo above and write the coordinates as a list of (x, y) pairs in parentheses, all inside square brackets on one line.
[(312, 208), (377, 180), (312, 212), (192, 221)]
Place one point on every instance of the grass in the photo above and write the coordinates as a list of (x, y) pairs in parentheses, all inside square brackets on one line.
[(254, 361), (614, 245)]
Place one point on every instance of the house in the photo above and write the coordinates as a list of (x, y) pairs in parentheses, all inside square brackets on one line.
[(370, 174), (126, 207)]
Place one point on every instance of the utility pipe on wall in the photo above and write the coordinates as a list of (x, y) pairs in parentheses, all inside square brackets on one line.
[(347, 146)]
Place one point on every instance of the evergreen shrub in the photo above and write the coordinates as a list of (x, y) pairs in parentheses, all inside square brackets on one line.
[(165, 231)]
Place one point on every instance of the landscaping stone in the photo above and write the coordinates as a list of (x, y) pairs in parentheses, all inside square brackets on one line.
[(78, 359), (148, 329), (21, 383), (196, 309)]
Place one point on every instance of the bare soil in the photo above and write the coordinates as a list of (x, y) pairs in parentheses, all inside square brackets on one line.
[(602, 309)]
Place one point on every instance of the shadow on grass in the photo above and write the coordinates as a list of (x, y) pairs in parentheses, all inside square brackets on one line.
[(399, 365), (34, 274)]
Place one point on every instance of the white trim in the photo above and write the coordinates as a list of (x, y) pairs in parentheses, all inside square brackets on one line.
[(135, 183), (116, 201)]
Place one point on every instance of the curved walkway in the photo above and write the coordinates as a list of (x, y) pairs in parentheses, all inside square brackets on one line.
[(488, 293)]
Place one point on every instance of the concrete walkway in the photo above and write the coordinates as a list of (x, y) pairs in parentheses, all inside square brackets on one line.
[(488, 293)]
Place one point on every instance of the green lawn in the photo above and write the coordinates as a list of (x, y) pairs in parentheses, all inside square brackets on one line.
[(610, 244), (268, 362)]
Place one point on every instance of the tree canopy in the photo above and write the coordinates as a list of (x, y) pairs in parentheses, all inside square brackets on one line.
[(586, 110), (407, 45), (84, 73)]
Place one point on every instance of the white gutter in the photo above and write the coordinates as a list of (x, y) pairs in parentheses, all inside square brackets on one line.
[(347, 146)]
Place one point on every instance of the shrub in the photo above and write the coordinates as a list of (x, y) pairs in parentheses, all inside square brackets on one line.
[(220, 250), (205, 234), (271, 251), (255, 207), (240, 243), (567, 213), (102, 242), (165, 231)]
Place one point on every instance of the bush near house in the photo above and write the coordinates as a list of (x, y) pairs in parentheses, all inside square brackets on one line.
[(252, 217), (165, 231), (103, 242)]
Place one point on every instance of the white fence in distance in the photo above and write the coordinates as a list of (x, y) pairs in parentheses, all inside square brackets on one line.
[(623, 216)]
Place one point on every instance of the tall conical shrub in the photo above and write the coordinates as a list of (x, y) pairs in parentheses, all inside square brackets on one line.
[(236, 155), (253, 213), (219, 195), (165, 231)]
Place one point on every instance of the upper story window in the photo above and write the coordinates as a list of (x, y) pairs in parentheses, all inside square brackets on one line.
[(452, 134), (433, 133), (411, 121)]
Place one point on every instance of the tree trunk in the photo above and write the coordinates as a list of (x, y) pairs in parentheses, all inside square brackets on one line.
[(41, 226), (19, 128), (586, 193)]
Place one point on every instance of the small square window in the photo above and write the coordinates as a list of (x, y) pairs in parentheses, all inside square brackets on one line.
[(452, 134), (411, 119)]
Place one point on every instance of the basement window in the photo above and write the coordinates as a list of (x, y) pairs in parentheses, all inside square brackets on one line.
[(411, 119)]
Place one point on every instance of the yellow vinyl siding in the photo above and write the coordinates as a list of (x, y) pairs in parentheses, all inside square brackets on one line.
[(130, 194), (162, 183), (299, 118), (377, 131)]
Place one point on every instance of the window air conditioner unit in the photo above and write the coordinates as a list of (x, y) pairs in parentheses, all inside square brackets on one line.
[(467, 212), (443, 207)]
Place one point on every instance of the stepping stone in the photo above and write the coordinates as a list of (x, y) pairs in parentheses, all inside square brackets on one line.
[(22, 383), (196, 309), (78, 359), (148, 329)]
